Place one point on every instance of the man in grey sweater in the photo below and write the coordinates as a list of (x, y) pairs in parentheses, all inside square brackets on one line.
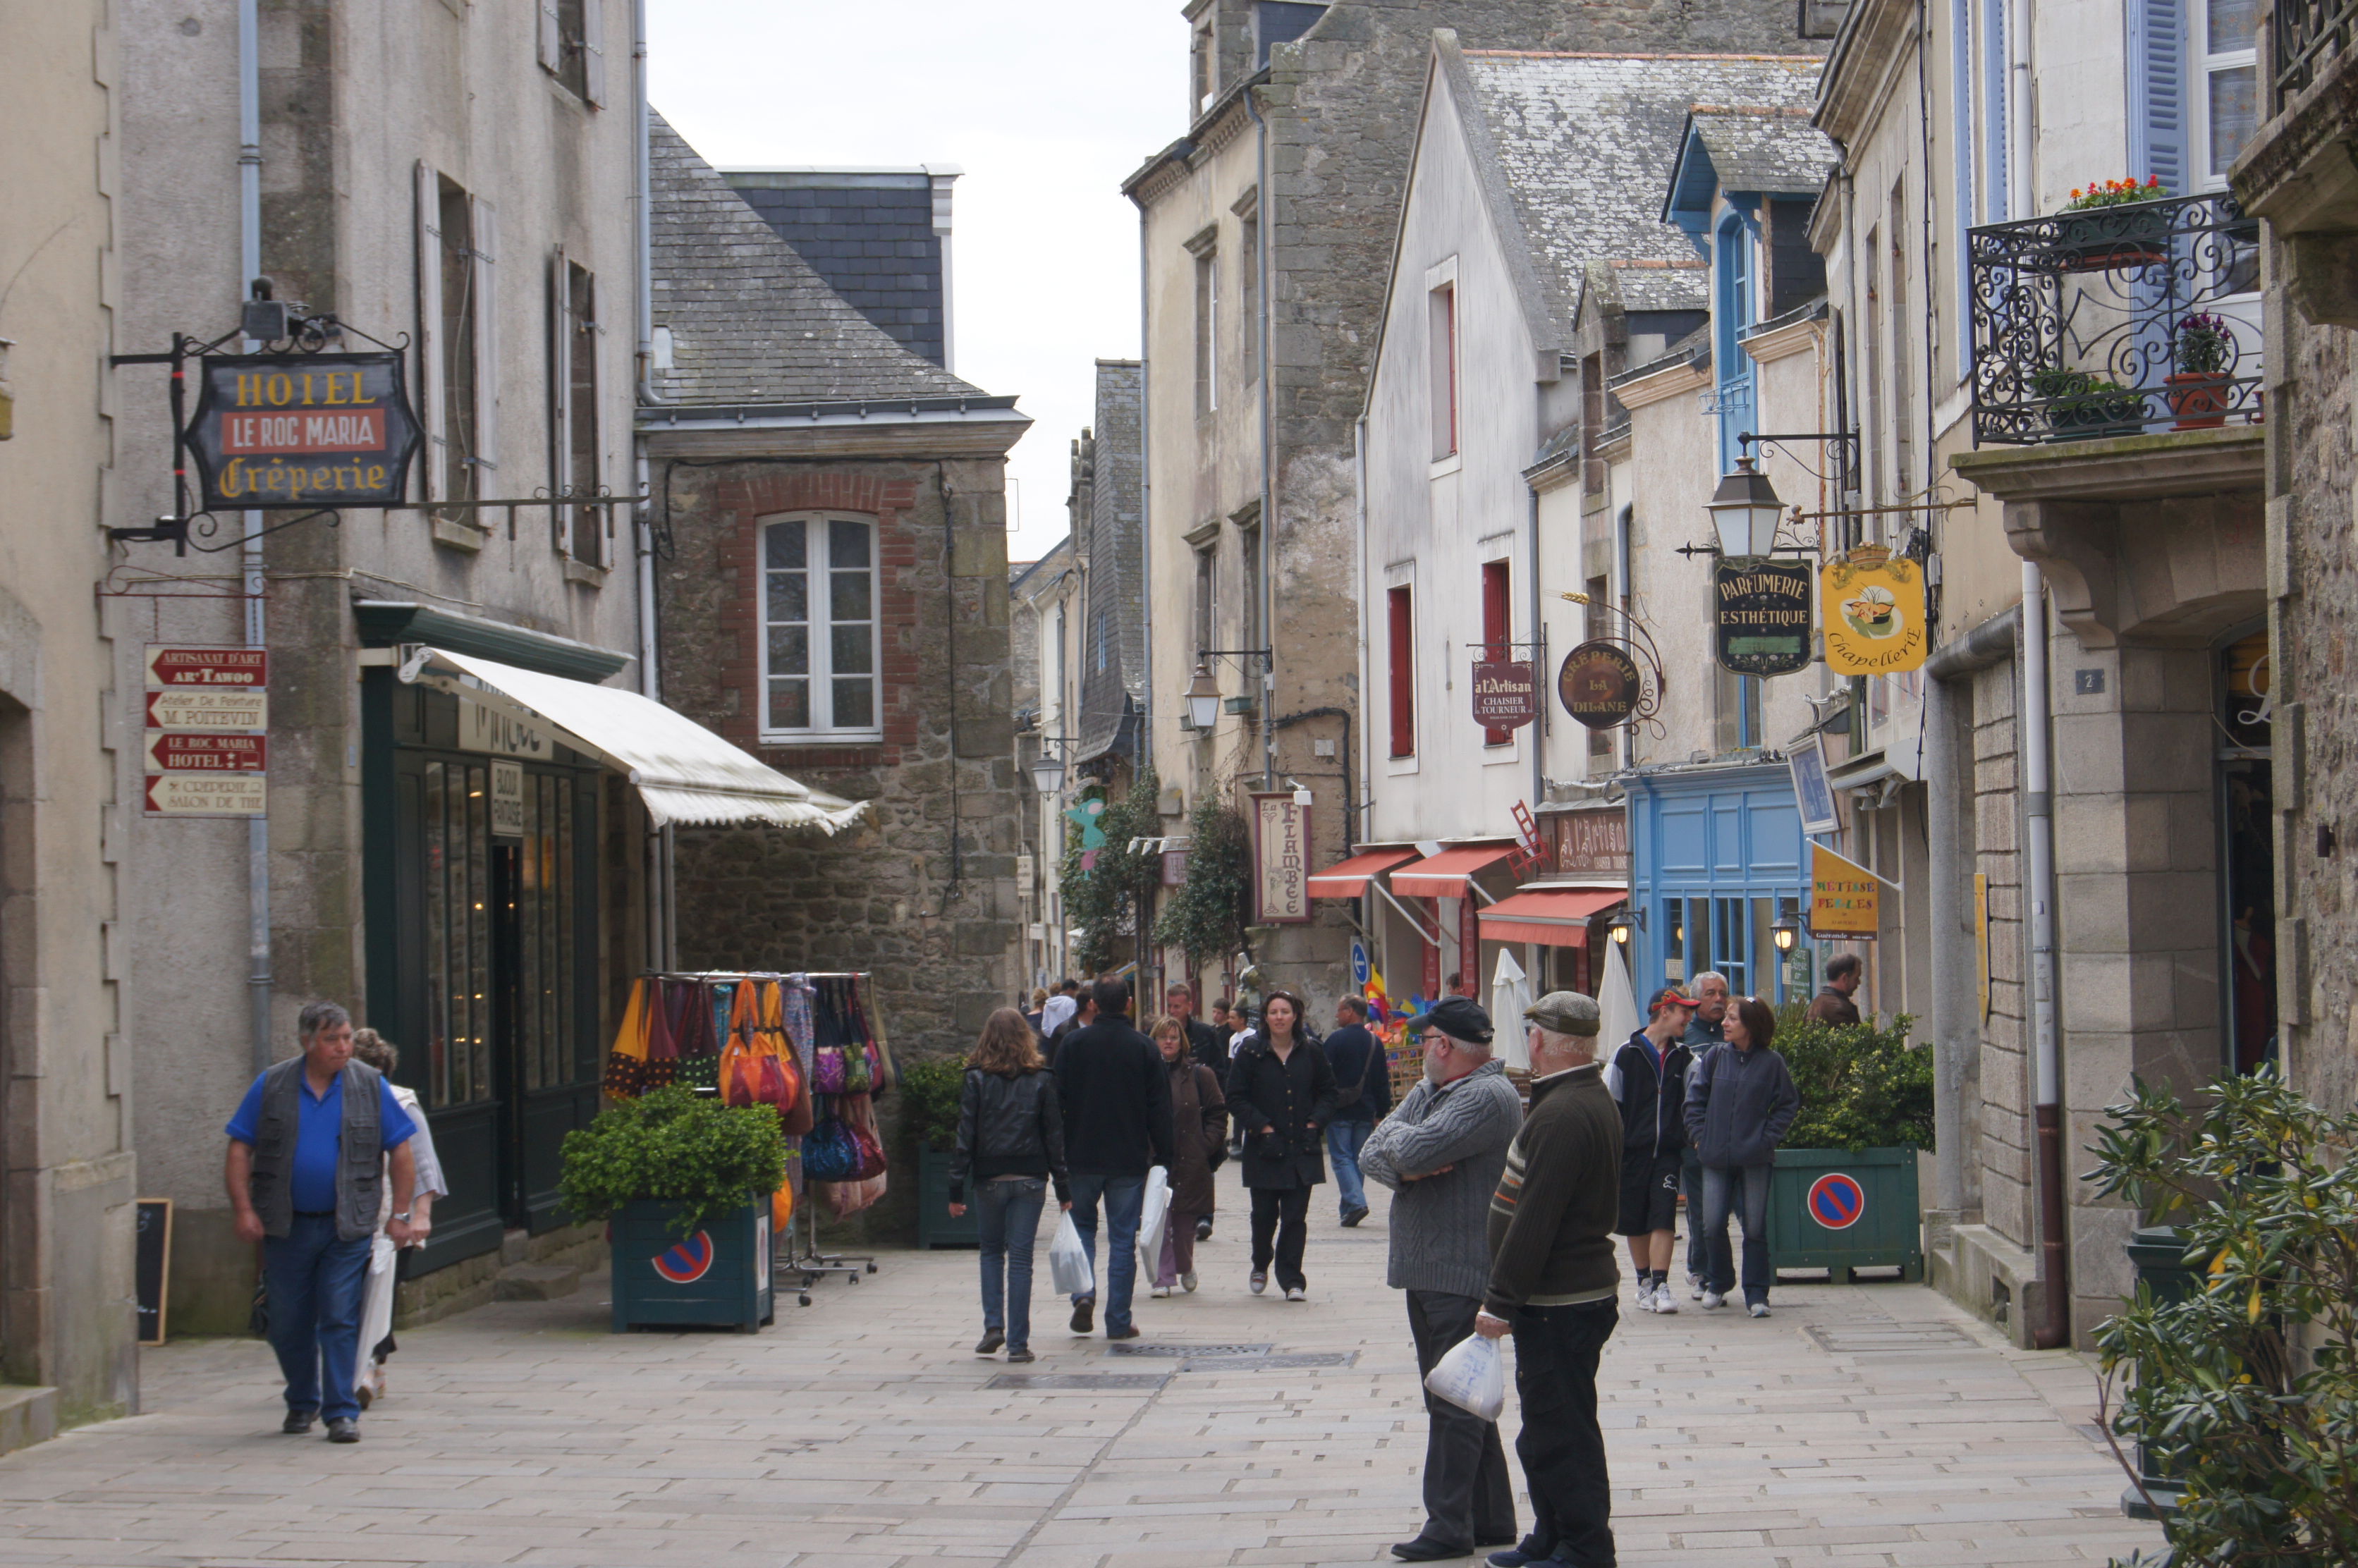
[(1441, 1153)]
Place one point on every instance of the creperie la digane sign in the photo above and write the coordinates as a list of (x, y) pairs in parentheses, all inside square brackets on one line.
[(286, 430)]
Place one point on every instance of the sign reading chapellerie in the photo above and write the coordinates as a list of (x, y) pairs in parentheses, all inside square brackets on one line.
[(1281, 859), (285, 431), (1506, 695), (1873, 610), (1598, 685), (1763, 622)]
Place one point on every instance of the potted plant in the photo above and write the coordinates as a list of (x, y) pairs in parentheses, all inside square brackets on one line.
[(2246, 1382), (1844, 1192), (2198, 387), (2083, 406), (685, 1183), (930, 1087), (2107, 224)]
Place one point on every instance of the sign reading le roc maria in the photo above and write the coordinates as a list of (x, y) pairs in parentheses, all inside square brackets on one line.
[(1764, 622), (286, 430)]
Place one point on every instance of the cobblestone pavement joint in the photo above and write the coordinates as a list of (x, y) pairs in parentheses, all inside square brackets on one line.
[(1862, 1424)]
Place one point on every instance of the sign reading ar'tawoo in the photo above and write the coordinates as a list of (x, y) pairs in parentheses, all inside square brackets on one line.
[(1872, 612), (288, 430)]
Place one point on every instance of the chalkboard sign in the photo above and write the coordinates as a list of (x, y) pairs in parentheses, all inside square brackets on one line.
[(153, 1267)]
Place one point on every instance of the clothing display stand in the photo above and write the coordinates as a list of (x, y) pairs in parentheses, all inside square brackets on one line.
[(810, 1261)]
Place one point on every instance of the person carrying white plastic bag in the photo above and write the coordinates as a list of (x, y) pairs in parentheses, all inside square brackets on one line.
[(1068, 1261), (1471, 1376), (1153, 1209)]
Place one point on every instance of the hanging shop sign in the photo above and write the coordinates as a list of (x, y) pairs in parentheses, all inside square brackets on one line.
[(1846, 898), (203, 746), (1506, 695), (1281, 859), (310, 430), (1592, 843), (1872, 612), (1763, 626), (1599, 685), (177, 752), (1811, 792), (206, 667)]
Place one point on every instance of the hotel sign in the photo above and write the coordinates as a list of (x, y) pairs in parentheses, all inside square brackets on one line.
[(1763, 622), (1280, 860), (302, 430)]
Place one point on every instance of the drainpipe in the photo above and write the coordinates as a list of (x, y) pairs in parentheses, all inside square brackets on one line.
[(258, 978), (1622, 522), (1267, 204), (1146, 513), (1364, 760), (661, 949), (1538, 725), (2053, 1324)]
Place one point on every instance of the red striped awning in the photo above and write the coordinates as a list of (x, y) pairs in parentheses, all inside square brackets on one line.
[(1349, 878), (1555, 917), (1444, 875)]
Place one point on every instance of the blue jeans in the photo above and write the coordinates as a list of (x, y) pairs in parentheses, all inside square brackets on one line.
[(1720, 1187), (1008, 1215), (1691, 1184), (315, 1283), (1125, 1198), (1343, 1140)]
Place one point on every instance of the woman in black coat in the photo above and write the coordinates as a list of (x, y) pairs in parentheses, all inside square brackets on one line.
[(1281, 1092)]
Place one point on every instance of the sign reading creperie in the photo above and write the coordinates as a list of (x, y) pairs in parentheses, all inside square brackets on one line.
[(283, 430)]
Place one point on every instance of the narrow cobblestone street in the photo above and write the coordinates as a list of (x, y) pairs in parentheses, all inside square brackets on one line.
[(1860, 1424)]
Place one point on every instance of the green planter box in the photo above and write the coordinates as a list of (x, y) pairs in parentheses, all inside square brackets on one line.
[(934, 1225), (716, 1277), (2158, 1253), (1829, 1208)]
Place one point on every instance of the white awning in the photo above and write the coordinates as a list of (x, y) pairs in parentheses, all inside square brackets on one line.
[(684, 772)]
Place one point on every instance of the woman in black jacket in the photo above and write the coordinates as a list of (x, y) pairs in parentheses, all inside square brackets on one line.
[(1010, 1140), (1281, 1092)]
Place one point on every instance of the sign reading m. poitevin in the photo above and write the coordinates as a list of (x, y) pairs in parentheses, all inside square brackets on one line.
[(1764, 621), (286, 430)]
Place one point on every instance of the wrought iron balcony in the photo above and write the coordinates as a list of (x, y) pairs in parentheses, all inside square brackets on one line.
[(2115, 321), (2309, 35)]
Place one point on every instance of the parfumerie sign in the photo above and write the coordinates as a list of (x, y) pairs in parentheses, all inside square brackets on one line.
[(285, 431), (1764, 621), (1280, 860), (206, 754)]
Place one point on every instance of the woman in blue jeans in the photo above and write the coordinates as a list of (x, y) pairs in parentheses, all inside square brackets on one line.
[(1740, 1100), (1011, 1144)]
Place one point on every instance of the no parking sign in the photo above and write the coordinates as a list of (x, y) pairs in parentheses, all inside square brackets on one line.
[(1836, 1201)]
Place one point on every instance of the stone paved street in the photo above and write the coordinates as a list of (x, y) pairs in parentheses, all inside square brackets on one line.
[(1860, 1425)]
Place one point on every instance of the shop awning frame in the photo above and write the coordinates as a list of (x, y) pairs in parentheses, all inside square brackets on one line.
[(1450, 872), (1349, 877), (1551, 916)]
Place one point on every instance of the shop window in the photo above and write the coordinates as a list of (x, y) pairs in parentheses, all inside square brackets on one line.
[(458, 909), (545, 980), (819, 630), (1400, 655)]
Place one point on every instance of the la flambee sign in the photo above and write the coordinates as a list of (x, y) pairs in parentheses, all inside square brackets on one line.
[(1871, 608), (1846, 898), (286, 430), (1281, 859)]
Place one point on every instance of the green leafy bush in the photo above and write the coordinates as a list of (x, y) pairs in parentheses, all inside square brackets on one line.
[(930, 1087), (1862, 1085), (1103, 899), (2249, 1387), (672, 1145), (1206, 915)]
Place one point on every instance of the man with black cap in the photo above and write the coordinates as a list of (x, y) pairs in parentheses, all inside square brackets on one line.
[(1552, 1280), (1441, 1153), (1647, 1078)]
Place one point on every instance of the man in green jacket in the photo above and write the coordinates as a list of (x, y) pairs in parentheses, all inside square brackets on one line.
[(1552, 1282)]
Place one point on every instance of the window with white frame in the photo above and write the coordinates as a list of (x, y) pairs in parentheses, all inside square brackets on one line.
[(2226, 86), (819, 630)]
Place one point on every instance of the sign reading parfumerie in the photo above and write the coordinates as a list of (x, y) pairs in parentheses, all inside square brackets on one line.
[(286, 430)]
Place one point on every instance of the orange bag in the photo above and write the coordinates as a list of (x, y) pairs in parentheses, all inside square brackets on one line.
[(796, 1113)]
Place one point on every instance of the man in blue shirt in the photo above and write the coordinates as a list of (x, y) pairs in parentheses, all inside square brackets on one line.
[(307, 1154)]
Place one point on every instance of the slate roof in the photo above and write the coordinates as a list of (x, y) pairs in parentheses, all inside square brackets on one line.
[(870, 233), (1581, 147), (1113, 647), (1763, 150), (750, 321), (1682, 284)]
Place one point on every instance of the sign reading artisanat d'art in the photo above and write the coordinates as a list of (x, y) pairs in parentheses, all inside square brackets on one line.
[(208, 707), (1763, 622), (1599, 685), (311, 430), (1872, 610)]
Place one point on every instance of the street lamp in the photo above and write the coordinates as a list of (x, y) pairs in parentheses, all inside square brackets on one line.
[(1786, 932), (1744, 510), (1204, 699), (1048, 773), (1622, 926)]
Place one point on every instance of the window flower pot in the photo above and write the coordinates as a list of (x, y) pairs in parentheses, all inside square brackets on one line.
[(2105, 239), (717, 1276), (2200, 400)]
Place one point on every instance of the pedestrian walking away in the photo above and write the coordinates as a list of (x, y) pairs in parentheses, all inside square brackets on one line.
[(1056, 1009), (1199, 1134), (1553, 1281), (1440, 1154), (1647, 1078), (1010, 1147), (1740, 1100), (1363, 1096), (1710, 992), (376, 1340), (1037, 1014), (1281, 1090), (314, 1144), (1835, 1004), (1116, 1096)]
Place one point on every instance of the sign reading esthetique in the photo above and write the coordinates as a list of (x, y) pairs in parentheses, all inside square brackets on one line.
[(1763, 624), (1280, 860), (287, 430)]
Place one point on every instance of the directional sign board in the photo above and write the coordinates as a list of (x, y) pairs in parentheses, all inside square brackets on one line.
[(205, 750)]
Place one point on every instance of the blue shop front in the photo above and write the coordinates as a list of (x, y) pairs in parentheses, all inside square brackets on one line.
[(1715, 860)]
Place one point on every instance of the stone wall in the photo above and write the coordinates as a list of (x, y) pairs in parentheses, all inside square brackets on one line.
[(2001, 1171)]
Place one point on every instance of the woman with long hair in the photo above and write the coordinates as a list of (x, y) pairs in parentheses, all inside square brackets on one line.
[(1281, 1092), (376, 1307), (1740, 1100), (1011, 1143), (1199, 1123)]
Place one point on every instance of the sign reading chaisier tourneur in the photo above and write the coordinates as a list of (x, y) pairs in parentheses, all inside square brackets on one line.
[(1763, 622), (1506, 694), (286, 430)]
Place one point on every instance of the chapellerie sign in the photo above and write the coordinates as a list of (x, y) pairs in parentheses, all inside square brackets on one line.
[(1873, 608), (286, 430)]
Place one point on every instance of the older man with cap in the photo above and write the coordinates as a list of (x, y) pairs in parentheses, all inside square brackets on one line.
[(1441, 1153), (1553, 1280)]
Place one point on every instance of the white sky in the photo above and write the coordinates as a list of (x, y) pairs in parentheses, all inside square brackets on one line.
[(1046, 105)]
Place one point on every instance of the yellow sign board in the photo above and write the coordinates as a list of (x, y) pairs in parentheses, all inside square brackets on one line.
[(1846, 898), (1871, 608)]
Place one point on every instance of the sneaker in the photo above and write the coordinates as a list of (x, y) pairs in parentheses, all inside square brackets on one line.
[(991, 1340), (1712, 1301), (344, 1429), (1695, 1287), (1296, 1293), (1187, 1282), (1160, 1290), (1084, 1314), (1760, 1309), (1018, 1357), (1645, 1293), (1664, 1300), (1204, 1229), (1258, 1282), (297, 1422)]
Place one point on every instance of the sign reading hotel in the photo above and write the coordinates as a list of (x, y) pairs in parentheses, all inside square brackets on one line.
[(175, 751), (1872, 612), (206, 708), (1280, 860), (287, 430), (1763, 622), (1846, 898), (1506, 695)]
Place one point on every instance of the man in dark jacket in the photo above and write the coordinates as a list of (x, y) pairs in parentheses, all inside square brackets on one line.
[(1709, 991), (1647, 1077), (1740, 1100), (1206, 1044), (1363, 1094), (1553, 1280), (1115, 1094), (1833, 1004)]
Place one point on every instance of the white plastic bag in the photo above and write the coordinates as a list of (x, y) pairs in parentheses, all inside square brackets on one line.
[(1471, 1376), (1154, 1209), (1068, 1261)]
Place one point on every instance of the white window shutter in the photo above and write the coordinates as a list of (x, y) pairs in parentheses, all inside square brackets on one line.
[(552, 38), (487, 338), (433, 451), (560, 388), (593, 45)]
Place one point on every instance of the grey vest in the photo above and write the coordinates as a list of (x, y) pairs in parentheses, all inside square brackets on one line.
[(360, 1164)]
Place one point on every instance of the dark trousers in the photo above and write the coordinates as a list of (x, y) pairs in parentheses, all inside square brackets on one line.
[(1560, 1446), (315, 1283), (1283, 1215), (1690, 1184), (1468, 1496)]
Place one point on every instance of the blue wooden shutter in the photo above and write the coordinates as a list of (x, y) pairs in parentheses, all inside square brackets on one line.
[(2156, 106), (1997, 80)]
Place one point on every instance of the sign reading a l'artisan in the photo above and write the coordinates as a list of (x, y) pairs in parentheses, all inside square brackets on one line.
[(286, 430), (1506, 694), (1763, 623)]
